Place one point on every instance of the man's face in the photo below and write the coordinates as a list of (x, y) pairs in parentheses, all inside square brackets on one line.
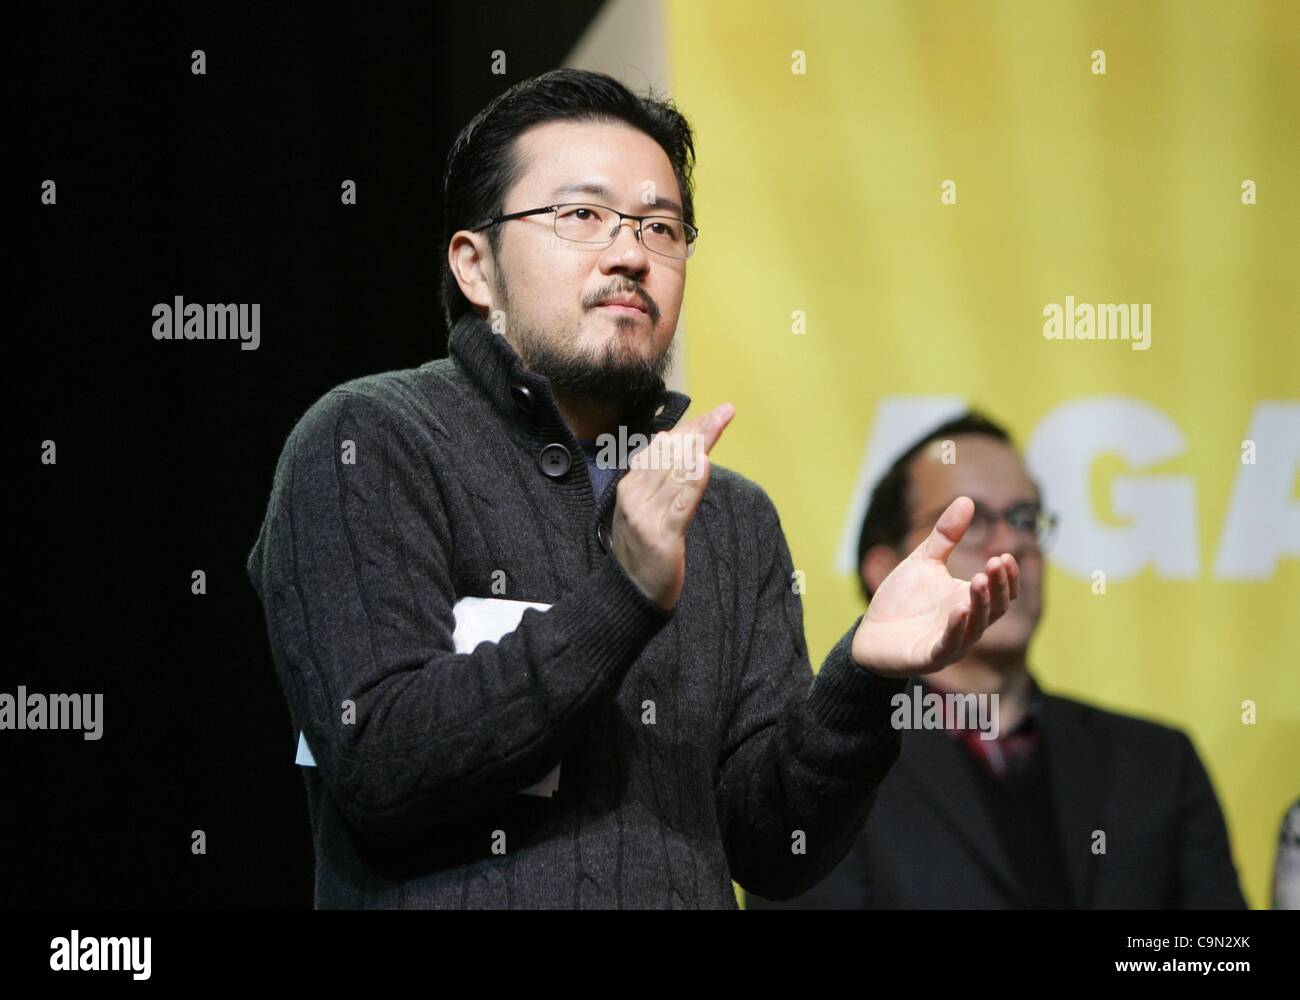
[(992, 474), (551, 289)]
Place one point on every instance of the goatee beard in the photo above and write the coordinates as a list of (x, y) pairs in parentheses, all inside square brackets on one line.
[(616, 374)]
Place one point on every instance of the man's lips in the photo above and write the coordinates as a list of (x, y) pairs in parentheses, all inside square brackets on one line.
[(619, 307)]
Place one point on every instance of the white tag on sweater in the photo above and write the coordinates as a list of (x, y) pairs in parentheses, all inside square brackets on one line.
[(478, 619)]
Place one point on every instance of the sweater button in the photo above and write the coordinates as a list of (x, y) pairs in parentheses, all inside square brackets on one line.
[(554, 460), (603, 536), (522, 396)]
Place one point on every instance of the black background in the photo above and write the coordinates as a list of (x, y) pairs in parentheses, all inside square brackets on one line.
[(218, 188)]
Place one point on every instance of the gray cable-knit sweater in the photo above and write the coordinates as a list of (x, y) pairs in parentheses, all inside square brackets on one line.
[(696, 746)]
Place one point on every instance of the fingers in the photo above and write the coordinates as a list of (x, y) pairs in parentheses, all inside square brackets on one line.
[(681, 498), (949, 530), (652, 465), (704, 429), (669, 474), (681, 454), (672, 460), (981, 601), (966, 621), (951, 642), (1004, 584), (1013, 573), (710, 425), (999, 587), (990, 595)]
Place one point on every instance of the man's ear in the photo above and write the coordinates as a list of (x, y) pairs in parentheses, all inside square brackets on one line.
[(470, 262), (877, 564)]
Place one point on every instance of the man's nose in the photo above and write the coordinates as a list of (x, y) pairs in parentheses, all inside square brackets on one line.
[(1008, 539), (626, 252)]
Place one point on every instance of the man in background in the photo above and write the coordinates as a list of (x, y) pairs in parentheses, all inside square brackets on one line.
[(1070, 806)]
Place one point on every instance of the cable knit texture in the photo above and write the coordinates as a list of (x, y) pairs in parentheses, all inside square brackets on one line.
[(695, 746)]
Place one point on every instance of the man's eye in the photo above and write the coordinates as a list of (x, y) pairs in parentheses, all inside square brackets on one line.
[(1023, 517)]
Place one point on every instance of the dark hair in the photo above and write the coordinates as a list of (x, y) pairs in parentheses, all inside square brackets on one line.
[(483, 163), (886, 520)]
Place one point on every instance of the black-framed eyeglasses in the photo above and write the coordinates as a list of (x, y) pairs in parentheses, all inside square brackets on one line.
[(1028, 518), (597, 226)]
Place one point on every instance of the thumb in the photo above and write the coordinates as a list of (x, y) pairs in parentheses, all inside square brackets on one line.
[(948, 531)]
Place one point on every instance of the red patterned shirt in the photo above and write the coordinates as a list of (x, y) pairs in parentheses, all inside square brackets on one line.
[(1011, 751)]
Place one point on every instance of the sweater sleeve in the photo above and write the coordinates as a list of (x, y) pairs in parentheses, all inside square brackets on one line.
[(803, 757), (353, 567)]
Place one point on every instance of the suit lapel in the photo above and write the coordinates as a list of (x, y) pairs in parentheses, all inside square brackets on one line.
[(934, 761), (1078, 760)]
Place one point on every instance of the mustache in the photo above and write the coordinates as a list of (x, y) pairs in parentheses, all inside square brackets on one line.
[(652, 310)]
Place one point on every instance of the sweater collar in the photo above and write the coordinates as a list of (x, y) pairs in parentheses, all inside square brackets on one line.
[(523, 396)]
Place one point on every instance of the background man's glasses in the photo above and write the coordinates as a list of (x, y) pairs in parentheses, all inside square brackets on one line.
[(1027, 519), (596, 226)]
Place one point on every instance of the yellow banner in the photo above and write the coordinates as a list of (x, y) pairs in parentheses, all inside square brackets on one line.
[(1079, 217)]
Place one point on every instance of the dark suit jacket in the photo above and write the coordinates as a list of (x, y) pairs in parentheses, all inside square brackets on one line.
[(929, 842)]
